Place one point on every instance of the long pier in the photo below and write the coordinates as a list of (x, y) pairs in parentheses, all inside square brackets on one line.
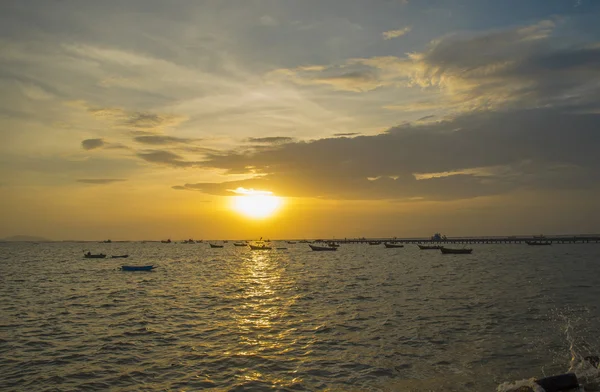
[(472, 240)]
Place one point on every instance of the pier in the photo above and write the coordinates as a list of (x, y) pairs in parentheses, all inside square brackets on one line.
[(583, 239)]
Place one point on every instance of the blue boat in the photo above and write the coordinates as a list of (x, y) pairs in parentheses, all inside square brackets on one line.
[(137, 267)]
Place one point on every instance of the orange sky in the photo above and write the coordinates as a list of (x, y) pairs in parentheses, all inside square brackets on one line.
[(139, 120)]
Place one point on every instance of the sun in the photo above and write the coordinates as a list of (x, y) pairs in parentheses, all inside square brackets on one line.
[(256, 204)]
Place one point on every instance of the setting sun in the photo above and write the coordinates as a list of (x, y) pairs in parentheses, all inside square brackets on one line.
[(255, 204)]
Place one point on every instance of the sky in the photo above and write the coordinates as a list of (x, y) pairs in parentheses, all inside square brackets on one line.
[(144, 119)]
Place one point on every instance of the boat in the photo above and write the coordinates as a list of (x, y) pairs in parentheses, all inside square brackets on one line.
[(291, 242), (391, 245), (120, 257), (260, 247), (281, 248), (166, 242), (190, 241), (538, 242), (225, 241), (304, 242), (321, 248), (240, 244), (215, 245), (137, 267), (455, 251), (333, 245), (106, 242), (429, 247), (374, 242), (89, 255)]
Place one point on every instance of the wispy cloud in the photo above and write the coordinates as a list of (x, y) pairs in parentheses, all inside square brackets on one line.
[(162, 140), (396, 33), (163, 157), (136, 120)]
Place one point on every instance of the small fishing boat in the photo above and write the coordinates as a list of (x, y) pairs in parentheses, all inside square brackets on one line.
[(166, 241), (240, 244), (215, 245), (538, 242), (89, 255), (321, 248), (281, 248), (455, 251), (429, 247), (391, 245), (120, 257), (260, 247), (137, 267)]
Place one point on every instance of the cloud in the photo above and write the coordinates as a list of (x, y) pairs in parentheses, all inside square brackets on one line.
[(271, 140), (521, 66), (161, 139), (100, 181), (165, 158), (346, 134), (396, 33), (471, 155), (352, 76), (136, 120), (91, 144), (243, 191)]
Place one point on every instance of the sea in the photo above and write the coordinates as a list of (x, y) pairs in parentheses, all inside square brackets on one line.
[(363, 318)]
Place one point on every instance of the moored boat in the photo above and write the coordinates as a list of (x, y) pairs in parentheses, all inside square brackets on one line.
[(215, 245), (89, 255), (333, 245), (120, 256), (321, 248), (456, 251), (429, 247), (137, 267), (166, 241), (391, 245), (240, 244)]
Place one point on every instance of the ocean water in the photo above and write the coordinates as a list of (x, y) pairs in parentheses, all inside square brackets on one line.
[(364, 318)]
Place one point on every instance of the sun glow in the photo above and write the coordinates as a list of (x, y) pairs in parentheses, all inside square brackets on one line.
[(256, 204)]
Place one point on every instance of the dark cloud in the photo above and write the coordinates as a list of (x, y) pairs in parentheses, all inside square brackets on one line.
[(161, 140), (271, 140), (100, 181), (91, 144), (165, 158), (346, 134), (476, 154)]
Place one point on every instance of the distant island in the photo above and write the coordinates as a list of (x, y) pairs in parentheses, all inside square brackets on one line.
[(24, 238)]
